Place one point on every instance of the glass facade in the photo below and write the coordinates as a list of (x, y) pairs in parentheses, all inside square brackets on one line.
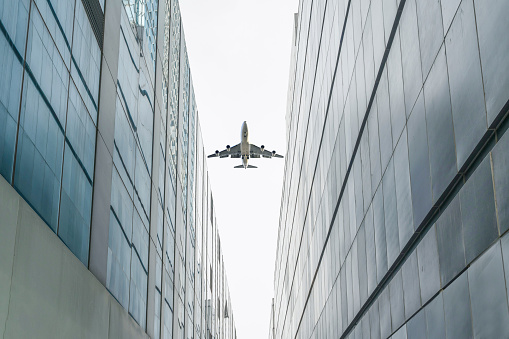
[(393, 214), (65, 95), (50, 80)]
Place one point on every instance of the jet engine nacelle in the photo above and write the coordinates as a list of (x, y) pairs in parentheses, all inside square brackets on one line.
[(273, 153), (217, 153), (262, 148), (228, 148)]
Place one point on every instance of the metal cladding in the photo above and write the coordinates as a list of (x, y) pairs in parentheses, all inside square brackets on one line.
[(394, 213)]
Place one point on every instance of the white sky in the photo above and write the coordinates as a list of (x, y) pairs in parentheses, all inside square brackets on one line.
[(239, 54)]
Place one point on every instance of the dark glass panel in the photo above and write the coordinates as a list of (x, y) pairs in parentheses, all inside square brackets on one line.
[(478, 211), (14, 19), (76, 207), (39, 155)]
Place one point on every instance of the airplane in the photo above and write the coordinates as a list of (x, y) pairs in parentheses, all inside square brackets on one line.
[(245, 150)]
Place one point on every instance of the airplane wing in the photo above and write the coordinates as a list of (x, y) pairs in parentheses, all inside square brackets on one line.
[(258, 151), (234, 152)]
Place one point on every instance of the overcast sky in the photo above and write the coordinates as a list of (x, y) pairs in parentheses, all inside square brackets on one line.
[(239, 54)]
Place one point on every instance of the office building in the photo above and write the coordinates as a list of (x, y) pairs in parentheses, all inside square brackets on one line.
[(395, 205), (107, 226)]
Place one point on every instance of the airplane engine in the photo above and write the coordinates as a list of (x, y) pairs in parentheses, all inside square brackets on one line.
[(273, 153), (217, 153), (228, 148), (262, 148)]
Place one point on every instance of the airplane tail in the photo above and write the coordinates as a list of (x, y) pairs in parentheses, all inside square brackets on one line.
[(242, 166)]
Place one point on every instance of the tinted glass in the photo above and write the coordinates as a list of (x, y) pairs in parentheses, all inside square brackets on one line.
[(14, 19), (76, 206)]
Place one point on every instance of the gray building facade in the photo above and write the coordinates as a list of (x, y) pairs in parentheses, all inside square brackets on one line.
[(395, 205), (107, 226)]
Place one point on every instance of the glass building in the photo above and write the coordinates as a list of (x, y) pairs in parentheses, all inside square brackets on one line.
[(395, 205), (107, 225)]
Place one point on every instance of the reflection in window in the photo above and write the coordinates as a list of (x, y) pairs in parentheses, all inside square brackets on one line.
[(86, 60), (76, 206), (174, 89), (13, 21)]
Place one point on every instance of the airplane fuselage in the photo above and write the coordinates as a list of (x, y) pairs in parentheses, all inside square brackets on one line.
[(244, 144)]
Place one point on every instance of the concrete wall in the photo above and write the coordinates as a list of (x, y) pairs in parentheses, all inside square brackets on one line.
[(45, 291)]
